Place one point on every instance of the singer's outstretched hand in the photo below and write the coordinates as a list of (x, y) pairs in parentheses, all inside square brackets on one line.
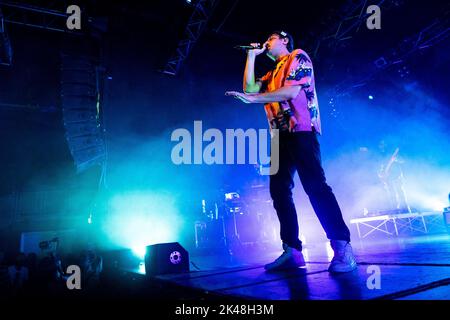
[(246, 98)]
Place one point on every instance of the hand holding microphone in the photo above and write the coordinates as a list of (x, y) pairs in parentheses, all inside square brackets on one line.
[(254, 49)]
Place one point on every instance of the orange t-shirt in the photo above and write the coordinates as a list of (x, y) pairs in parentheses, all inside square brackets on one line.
[(294, 69)]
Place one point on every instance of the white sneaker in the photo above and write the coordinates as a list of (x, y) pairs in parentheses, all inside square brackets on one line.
[(290, 259), (343, 260)]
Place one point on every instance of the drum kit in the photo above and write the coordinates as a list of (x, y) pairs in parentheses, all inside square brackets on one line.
[(237, 219)]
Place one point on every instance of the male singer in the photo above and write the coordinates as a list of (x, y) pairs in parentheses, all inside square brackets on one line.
[(290, 101)]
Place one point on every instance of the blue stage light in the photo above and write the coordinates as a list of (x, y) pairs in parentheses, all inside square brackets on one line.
[(137, 219)]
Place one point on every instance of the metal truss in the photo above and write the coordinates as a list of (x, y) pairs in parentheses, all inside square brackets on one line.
[(429, 36), (194, 28), (49, 15), (352, 16)]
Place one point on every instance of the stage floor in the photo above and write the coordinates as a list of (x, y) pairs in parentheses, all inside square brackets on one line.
[(410, 268)]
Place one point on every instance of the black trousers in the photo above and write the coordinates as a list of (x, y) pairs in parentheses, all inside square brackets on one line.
[(300, 152)]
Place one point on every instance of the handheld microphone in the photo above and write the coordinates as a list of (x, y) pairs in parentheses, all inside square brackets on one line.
[(247, 47)]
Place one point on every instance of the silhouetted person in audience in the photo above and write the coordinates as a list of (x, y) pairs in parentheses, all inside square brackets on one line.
[(18, 274)]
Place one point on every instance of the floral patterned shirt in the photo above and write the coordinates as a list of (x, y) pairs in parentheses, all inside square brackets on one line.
[(294, 69)]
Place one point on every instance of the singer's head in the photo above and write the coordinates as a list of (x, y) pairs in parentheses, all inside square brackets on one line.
[(279, 43)]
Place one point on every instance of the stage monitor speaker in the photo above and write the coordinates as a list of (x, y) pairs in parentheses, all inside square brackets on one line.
[(166, 258)]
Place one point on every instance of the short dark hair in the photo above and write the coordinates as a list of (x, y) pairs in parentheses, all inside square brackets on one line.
[(283, 34)]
